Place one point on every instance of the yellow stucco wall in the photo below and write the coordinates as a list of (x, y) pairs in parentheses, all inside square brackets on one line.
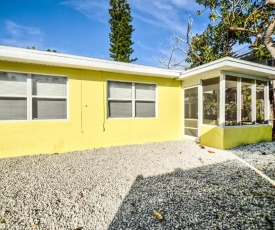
[(229, 137), (87, 125)]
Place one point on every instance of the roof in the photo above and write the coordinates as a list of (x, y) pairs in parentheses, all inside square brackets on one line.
[(30, 56), (232, 65)]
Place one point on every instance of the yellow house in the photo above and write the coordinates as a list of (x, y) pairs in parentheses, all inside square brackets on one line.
[(54, 103)]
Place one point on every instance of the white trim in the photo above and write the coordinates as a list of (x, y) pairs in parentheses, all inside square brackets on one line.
[(222, 101), (266, 102), (29, 56), (253, 103), (243, 75), (29, 97), (229, 64), (133, 101), (239, 101), (34, 73), (200, 109), (191, 138)]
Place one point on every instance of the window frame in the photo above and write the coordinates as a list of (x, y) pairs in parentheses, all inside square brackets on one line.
[(29, 97), (133, 100)]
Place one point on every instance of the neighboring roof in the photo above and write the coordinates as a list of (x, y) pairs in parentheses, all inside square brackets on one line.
[(30, 56), (232, 65)]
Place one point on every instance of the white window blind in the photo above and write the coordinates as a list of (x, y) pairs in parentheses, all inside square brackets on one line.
[(145, 91), (120, 90), (145, 109), (13, 96), (49, 86), (49, 108), (120, 109), (131, 100), (13, 84), (13, 108)]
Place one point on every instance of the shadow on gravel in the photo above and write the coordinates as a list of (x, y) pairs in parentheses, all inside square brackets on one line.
[(221, 196)]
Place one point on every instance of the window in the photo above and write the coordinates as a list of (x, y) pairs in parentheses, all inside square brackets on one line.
[(131, 100), (211, 91), (32, 97)]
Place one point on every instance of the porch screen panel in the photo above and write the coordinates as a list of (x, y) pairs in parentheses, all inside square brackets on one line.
[(231, 100), (191, 132), (260, 115), (211, 91), (246, 103), (191, 112), (13, 96)]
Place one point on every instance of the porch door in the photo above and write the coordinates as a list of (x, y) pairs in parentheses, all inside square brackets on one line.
[(191, 112)]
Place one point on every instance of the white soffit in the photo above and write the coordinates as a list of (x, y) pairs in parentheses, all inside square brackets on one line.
[(30, 56), (232, 65)]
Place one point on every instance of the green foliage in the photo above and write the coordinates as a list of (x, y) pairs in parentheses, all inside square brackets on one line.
[(121, 31), (31, 48), (49, 50), (214, 43), (235, 22)]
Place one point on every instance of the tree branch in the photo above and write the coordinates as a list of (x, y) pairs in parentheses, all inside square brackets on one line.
[(233, 28), (267, 38)]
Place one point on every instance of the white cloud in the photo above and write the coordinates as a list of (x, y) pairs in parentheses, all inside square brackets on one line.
[(93, 9), (170, 15), (23, 36)]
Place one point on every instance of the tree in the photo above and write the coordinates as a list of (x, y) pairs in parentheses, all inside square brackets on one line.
[(233, 22), (239, 21), (121, 31)]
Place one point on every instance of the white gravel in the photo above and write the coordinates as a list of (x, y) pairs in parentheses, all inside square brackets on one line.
[(117, 188)]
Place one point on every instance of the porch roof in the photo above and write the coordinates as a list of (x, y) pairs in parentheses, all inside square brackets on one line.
[(232, 65)]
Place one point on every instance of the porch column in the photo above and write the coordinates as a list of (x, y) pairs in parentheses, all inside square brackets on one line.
[(222, 100)]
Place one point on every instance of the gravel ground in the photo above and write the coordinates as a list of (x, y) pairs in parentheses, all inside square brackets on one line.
[(261, 156), (118, 187)]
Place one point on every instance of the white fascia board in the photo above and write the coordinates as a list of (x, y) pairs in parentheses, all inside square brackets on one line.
[(229, 63), (72, 61)]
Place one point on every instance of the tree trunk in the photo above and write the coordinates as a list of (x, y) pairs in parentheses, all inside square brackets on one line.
[(271, 49)]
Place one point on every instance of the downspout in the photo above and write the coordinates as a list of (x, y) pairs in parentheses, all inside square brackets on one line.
[(81, 103), (104, 102)]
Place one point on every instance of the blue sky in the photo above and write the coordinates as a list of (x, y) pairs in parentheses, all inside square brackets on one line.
[(81, 27)]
